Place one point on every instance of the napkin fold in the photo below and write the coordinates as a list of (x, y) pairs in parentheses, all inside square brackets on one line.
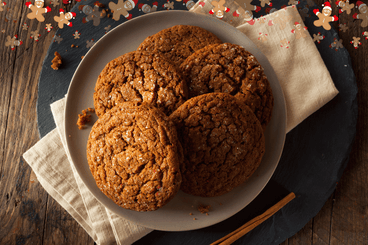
[(304, 78)]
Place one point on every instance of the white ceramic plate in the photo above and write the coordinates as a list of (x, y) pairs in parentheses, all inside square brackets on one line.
[(175, 215)]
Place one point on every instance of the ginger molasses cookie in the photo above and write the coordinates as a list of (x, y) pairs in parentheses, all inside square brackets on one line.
[(178, 42), (229, 68), (134, 155), (139, 77), (222, 140)]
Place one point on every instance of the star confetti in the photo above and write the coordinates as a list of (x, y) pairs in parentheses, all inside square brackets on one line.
[(12, 42), (35, 35), (76, 35), (90, 43), (356, 42), (318, 37), (336, 44), (343, 27), (58, 39), (48, 27)]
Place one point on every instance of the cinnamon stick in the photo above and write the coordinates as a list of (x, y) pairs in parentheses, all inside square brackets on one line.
[(250, 225)]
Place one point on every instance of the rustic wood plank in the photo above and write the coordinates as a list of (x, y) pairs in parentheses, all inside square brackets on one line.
[(321, 230), (349, 223), (61, 228), (23, 201)]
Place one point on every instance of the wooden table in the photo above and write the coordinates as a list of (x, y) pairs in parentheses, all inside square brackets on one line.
[(28, 215)]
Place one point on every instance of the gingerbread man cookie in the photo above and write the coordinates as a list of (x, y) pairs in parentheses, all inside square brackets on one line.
[(170, 5), (146, 8), (262, 37), (245, 14), (122, 8), (356, 42), (293, 2), (2, 4), (281, 19), (343, 27), (344, 6), (188, 3), (284, 43), (325, 17), (336, 44), (93, 14), (318, 37), (264, 2), (363, 13), (365, 34), (219, 8), (300, 31), (63, 19), (37, 10), (12, 42), (250, 7)]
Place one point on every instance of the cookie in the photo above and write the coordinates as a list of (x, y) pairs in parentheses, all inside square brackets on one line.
[(134, 155), (139, 77), (223, 143), (178, 42), (229, 68)]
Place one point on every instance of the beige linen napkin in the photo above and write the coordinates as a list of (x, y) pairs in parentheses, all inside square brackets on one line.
[(305, 81)]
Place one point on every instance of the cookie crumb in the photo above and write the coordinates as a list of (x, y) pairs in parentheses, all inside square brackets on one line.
[(204, 208), (194, 219), (84, 118), (82, 57), (56, 61), (190, 213), (72, 46)]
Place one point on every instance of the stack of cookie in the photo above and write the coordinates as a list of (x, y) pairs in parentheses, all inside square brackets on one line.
[(184, 111)]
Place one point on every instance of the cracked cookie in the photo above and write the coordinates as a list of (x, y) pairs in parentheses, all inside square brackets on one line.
[(134, 155), (223, 143), (178, 42), (139, 77), (229, 68)]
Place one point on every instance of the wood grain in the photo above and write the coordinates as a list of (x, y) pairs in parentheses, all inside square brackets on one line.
[(28, 215)]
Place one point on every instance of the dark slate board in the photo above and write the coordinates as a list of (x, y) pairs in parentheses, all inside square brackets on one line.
[(315, 155)]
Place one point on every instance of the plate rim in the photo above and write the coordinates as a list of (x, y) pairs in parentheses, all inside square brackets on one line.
[(92, 49)]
